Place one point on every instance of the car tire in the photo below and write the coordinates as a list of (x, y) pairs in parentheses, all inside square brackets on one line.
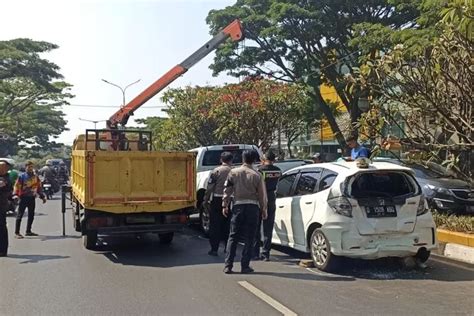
[(204, 220), (321, 254), (89, 240), (166, 238)]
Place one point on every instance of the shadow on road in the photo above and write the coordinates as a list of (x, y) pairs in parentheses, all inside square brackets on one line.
[(56, 237), (385, 269), (305, 276), (35, 258)]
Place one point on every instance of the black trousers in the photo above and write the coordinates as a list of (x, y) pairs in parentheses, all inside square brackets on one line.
[(243, 226), (3, 226), (25, 202), (267, 228), (218, 224)]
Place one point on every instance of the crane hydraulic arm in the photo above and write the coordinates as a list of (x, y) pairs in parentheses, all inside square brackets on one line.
[(233, 31)]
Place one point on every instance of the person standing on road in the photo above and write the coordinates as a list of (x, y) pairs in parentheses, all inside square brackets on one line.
[(357, 150), (248, 191), (219, 225), (27, 187), (317, 158), (6, 188), (271, 174)]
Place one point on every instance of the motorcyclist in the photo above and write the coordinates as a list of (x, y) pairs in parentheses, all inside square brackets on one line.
[(63, 174), (50, 175)]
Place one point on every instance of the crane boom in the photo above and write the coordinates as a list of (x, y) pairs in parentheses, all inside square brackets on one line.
[(233, 31)]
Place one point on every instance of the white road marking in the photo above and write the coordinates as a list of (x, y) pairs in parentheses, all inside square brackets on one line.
[(267, 299)]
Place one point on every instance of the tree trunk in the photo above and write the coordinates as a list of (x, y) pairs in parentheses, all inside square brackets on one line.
[(316, 96)]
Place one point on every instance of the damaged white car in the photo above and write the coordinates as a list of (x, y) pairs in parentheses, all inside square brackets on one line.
[(353, 209)]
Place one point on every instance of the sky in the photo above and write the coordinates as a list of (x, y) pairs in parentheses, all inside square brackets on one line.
[(118, 40)]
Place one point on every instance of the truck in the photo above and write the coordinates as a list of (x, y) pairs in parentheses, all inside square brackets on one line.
[(208, 158), (120, 185)]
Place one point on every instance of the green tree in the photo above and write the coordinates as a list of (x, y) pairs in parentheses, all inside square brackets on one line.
[(30, 93), (311, 42), (431, 94)]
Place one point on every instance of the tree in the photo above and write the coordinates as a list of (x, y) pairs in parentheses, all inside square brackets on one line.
[(431, 94), (251, 112), (30, 93), (309, 42)]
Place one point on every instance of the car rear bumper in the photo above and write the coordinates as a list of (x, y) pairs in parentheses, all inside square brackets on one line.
[(346, 241)]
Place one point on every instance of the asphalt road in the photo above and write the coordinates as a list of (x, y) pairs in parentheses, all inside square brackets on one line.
[(55, 275)]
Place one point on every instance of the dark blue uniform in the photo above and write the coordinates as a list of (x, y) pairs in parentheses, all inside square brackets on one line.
[(6, 189), (271, 174)]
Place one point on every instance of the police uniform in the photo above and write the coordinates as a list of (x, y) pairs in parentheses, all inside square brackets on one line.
[(271, 174), (249, 198), (6, 189), (219, 225)]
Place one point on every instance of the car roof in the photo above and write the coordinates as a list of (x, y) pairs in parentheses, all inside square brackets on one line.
[(221, 147), (349, 167)]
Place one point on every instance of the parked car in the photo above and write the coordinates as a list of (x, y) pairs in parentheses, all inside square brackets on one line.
[(334, 210), (443, 192)]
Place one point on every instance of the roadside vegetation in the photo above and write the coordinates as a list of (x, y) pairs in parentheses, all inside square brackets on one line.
[(456, 223)]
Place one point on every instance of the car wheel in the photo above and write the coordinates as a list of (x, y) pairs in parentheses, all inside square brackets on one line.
[(89, 240), (321, 254), (166, 238), (204, 220)]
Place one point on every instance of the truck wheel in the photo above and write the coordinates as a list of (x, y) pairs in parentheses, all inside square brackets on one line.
[(166, 238), (321, 254), (89, 239), (204, 220)]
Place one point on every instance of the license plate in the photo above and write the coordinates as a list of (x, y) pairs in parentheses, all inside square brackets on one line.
[(140, 220), (381, 211)]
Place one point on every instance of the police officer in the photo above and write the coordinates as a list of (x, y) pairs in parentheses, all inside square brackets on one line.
[(219, 225), (250, 201), (270, 174), (6, 188)]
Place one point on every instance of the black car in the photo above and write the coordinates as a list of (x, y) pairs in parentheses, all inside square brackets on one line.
[(443, 192)]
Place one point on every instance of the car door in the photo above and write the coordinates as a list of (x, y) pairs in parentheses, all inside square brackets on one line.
[(284, 194), (302, 206)]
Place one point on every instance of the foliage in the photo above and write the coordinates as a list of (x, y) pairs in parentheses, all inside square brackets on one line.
[(253, 111), (310, 41), (432, 94), (30, 94), (456, 223)]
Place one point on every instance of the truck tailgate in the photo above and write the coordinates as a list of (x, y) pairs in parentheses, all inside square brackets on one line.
[(134, 181)]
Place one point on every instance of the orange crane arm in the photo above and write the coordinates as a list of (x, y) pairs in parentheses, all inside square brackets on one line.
[(233, 31)]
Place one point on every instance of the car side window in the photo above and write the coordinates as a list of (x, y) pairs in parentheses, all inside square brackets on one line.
[(285, 184), (307, 183), (327, 179)]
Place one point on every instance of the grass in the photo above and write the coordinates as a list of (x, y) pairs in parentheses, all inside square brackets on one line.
[(455, 223)]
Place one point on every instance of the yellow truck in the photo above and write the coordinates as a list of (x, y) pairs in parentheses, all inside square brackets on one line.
[(129, 191), (119, 185)]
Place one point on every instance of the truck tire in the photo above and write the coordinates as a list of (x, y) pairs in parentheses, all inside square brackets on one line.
[(166, 238), (89, 239)]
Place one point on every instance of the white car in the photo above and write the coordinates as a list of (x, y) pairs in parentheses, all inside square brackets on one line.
[(334, 210)]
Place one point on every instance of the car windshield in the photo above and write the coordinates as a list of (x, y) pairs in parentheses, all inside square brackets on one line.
[(381, 184), (213, 157)]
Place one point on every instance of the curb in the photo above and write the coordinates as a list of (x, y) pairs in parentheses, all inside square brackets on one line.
[(457, 246), (447, 236)]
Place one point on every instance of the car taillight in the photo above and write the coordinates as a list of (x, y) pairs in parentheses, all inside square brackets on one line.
[(422, 209), (341, 205)]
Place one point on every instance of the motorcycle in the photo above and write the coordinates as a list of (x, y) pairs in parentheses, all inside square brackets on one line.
[(48, 189)]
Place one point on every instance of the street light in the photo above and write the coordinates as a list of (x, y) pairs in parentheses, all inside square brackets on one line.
[(93, 121), (121, 89)]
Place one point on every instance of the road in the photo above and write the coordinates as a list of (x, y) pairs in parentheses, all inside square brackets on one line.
[(55, 275)]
